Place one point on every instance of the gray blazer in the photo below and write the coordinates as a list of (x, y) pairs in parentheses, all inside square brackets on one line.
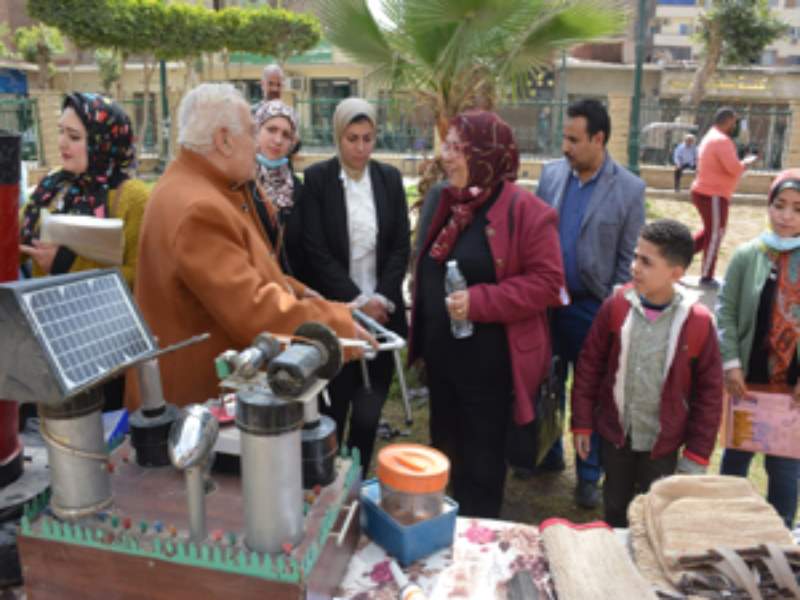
[(610, 227)]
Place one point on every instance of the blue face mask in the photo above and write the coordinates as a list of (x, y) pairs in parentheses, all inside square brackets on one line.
[(780, 244), (271, 164)]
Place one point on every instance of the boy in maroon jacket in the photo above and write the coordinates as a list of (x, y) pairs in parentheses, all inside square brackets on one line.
[(649, 377)]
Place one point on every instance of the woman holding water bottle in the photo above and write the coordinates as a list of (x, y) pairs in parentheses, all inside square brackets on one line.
[(488, 270)]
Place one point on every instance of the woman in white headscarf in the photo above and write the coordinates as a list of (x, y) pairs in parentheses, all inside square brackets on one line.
[(276, 136), (356, 238)]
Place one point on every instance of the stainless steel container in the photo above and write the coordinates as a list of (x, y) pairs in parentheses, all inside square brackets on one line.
[(271, 464), (77, 455)]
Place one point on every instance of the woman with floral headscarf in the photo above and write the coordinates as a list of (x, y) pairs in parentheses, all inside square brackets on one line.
[(758, 318), (277, 134), (96, 145), (505, 241)]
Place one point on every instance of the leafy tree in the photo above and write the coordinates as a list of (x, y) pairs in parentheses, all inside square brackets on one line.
[(176, 31), (5, 51), (38, 43), (457, 54), (269, 32), (733, 32)]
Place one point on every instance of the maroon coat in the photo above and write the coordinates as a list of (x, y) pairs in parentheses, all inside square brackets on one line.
[(691, 397), (523, 237)]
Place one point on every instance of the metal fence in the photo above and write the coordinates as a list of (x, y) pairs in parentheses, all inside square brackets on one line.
[(135, 109), (765, 130), (406, 127), (21, 115), (402, 126)]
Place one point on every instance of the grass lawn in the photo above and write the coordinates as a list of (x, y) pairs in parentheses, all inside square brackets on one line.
[(532, 500)]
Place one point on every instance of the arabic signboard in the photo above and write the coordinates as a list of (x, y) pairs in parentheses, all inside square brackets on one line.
[(722, 84)]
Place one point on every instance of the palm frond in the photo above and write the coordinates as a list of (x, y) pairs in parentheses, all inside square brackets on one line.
[(460, 51), (560, 26), (349, 25)]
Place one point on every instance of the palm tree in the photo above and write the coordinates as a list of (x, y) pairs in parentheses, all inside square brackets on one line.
[(457, 54)]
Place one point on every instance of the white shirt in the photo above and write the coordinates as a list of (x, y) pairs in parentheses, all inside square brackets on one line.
[(362, 228)]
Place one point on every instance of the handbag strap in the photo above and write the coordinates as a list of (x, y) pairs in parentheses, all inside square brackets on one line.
[(779, 568), (734, 568)]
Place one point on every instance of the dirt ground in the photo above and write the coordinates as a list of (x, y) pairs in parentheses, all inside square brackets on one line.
[(535, 499), (745, 222)]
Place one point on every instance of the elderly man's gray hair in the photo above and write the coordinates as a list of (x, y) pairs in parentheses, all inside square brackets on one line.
[(205, 109)]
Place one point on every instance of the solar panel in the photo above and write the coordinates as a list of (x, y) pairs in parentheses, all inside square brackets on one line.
[(88, 327), (85, 326)]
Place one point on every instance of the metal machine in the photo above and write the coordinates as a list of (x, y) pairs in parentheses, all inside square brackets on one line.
[(139, 530)]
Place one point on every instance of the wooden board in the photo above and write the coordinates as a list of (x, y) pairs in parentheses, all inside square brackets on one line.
[(58, 570)]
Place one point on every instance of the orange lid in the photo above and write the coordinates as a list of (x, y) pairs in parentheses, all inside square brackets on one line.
[(413, 468)]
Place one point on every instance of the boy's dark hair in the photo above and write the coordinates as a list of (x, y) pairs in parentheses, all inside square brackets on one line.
[(596, 117), (723, 114), (674, 240)]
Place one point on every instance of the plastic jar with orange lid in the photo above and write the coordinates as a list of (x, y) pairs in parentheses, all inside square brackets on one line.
[(413, 479)]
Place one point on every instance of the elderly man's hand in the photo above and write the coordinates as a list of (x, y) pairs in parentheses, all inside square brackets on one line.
[(363, 334), (377, 310)]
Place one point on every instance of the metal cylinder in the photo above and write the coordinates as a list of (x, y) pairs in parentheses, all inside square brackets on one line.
[(79, 475), (272, 489), (196, 499), (150, 389)]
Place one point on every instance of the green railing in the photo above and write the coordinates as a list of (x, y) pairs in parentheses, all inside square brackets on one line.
[(135, 109), (406, 128), (766, 132), (402, 127), (21, 115)]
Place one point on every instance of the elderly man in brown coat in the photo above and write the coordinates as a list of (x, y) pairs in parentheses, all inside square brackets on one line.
[(205, 263)]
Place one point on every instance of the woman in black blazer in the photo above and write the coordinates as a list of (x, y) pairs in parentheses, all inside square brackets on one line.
[(357, 244)]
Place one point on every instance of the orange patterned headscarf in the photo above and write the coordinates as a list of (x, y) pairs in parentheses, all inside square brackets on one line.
[(785, 328), (492, 158)]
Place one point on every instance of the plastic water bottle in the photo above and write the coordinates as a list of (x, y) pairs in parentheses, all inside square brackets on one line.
[(454, 282)]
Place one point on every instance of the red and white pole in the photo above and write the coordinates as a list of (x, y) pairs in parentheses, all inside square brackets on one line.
[(10, 445)]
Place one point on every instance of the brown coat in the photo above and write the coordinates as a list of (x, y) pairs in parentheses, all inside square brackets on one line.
[(205, 266)]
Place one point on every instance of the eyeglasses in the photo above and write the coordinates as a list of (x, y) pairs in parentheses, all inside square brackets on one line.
[(453, 147)]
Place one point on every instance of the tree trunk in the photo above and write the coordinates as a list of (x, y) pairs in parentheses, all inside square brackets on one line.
[(73, 59), (149, 69), (43, 55), (705, 71), (226, 64), (123, 59)]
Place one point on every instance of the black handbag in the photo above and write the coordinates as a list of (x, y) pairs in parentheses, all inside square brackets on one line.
[(527, 445)]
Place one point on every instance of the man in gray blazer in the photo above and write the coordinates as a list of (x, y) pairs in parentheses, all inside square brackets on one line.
[(601, 210)]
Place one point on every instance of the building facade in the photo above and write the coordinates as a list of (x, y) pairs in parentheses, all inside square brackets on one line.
[(676, 22)]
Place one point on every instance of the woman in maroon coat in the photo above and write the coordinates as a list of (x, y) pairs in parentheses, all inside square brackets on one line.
[(505, 241)]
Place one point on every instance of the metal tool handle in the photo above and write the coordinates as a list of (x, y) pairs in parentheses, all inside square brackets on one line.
[(387, 339)]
